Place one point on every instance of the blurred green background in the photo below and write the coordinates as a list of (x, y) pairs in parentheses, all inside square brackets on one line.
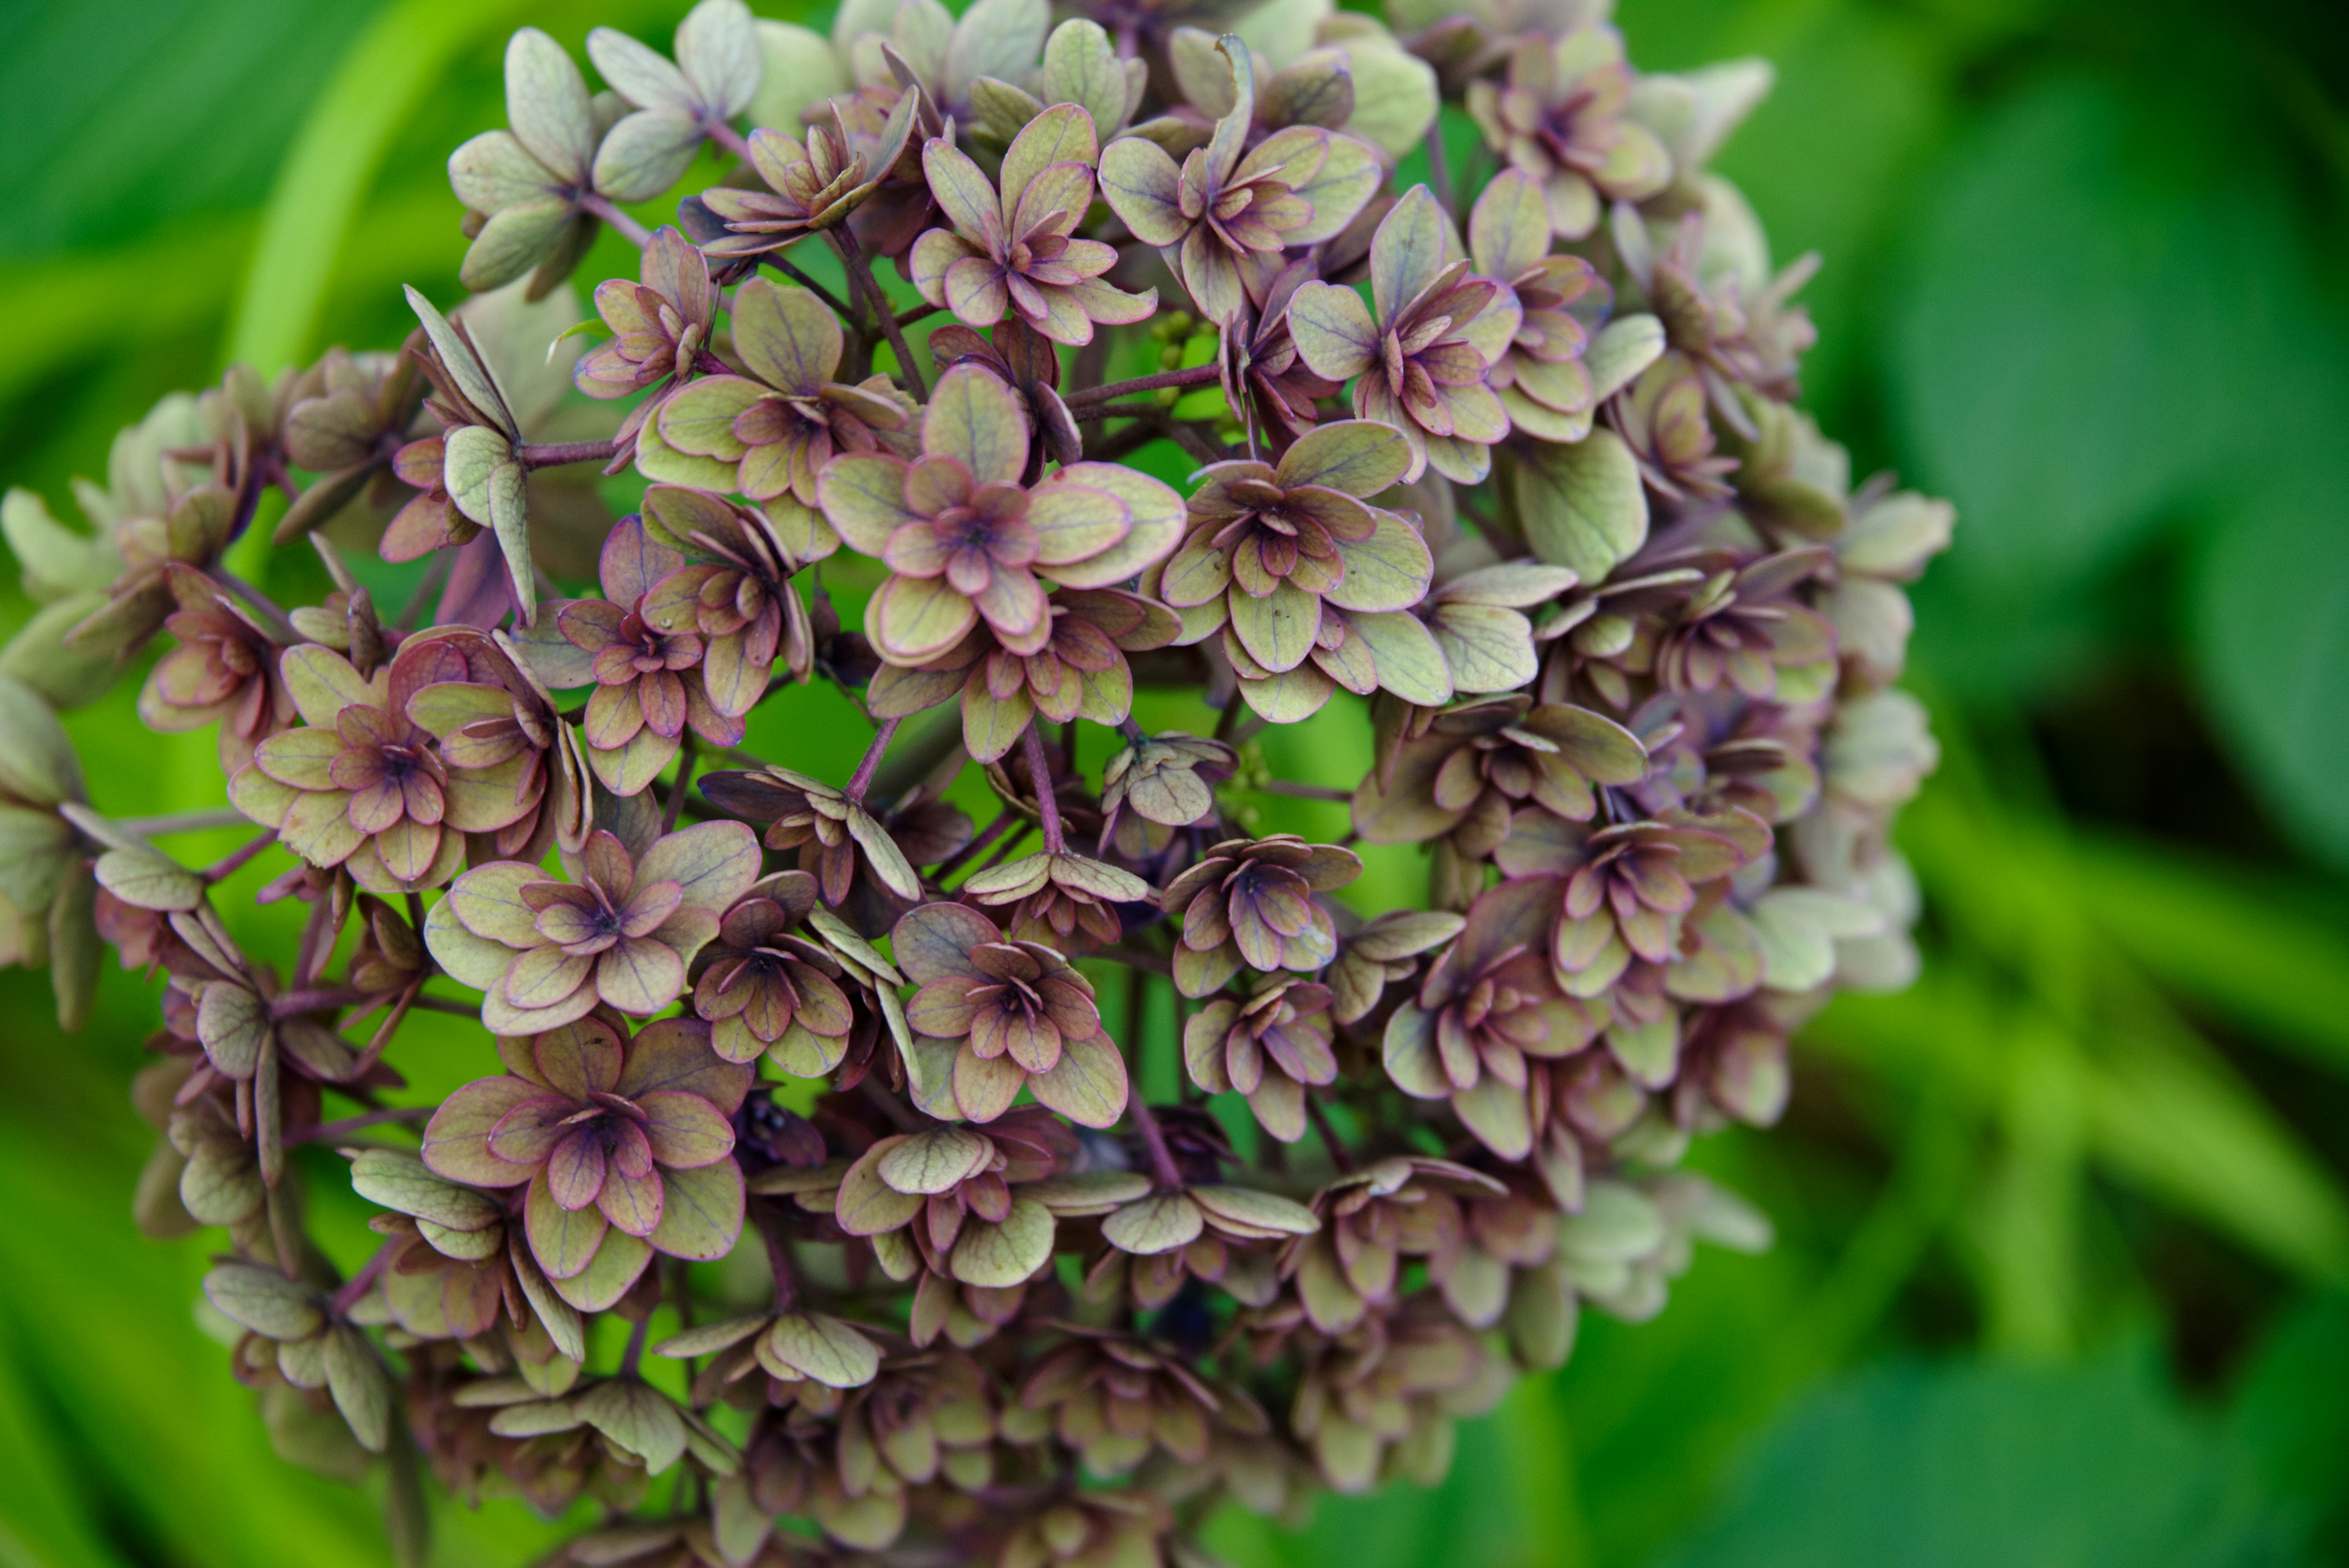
[(2064, 1231)]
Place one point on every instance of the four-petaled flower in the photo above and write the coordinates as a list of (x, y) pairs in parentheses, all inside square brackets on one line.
[(1310, 586), (226, 668), (661, 329), (1270, 1046), (1561, 119), (1422, 360), (1540, 375), (966, 540), (996, 1015), (810, 188), (1018, 253), (626, 1146), (769, 433), (362, 785), (1224, 219), (763, 989), (544, 952), (648, 683), (1484, 1007), (1250, 902)]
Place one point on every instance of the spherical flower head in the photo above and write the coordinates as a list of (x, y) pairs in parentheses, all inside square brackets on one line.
[(1420, 363), (765, 990), (625, 1146), (1250, 902), (1001, 1014), (1228, 213), (1561, 119), (1483, 1009), (545, 952), (965, 537), (768, 434), (1017, 252)]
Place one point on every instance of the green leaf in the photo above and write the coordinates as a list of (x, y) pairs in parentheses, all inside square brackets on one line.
[(1583, 506), (1988, 1465)]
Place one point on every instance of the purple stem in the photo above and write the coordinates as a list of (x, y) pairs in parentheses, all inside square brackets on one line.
[(327, 1132), (1162, 1159), (554, 454), (863, 778), (1041, 770), (357, 1285), (860, 276), (728, 138), (221, 871), (1197, 376), (600, 207)]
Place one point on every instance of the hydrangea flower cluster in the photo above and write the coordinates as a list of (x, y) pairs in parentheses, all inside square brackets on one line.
[(831, 1096)]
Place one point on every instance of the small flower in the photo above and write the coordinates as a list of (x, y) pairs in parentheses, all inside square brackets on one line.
[(1114, 1397), (1066, 900), (347, 430), (965, 541), (742, 603), (1003, 1014), (1482, 758), (1540, 376), (363, 785), (1661, 417), (811, 187), (951, 1194), (1403, 1206), (1169, 780), (1017, 252), (714, 78), (544, 952), (1088, 1530), (1262, 374), (1250, 902), (762, 989), (1741, 625), (1382, 953), (1224, 219), (225, 668), (661, 329), (524, 189), (626, 1146), (480, 700), (1271, 1046), (1633, 879), (1422, 360), (1561, 119), (1308, 579), (649, 683), (1487, 1004), (1079, 672), (835, 835), (773, 431)]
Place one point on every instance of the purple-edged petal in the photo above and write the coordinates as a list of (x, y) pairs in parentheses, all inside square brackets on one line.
[(686, 1130), (456, 1140)]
